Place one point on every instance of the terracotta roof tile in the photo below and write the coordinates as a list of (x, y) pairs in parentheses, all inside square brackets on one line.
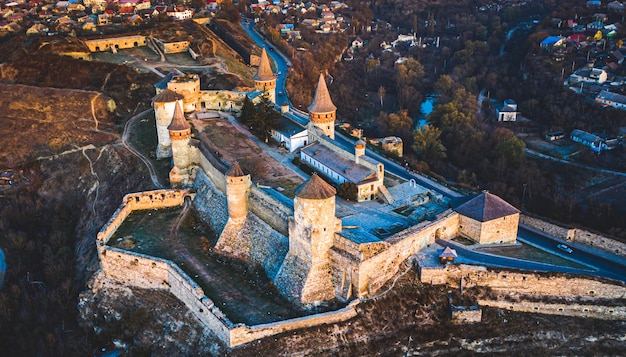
[(315, 188), (485, 207), (322, 102)]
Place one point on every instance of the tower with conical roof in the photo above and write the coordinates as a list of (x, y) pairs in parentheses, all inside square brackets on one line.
[(264, 79), (237, 190), (305, 275), (164, 104), (322, 111), (180, 134)]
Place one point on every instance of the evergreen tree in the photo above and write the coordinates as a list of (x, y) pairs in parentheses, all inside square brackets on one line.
[(264, 119), (248, 111)]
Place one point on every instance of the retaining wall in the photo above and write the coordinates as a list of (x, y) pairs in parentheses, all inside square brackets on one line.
[(576, 235), (270, 210), (523, 283), (594, 311), (374, 272)]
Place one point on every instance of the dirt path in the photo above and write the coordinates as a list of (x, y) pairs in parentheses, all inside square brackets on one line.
[(153, 175)]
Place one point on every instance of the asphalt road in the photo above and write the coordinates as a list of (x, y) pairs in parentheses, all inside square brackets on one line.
[(613, 268)]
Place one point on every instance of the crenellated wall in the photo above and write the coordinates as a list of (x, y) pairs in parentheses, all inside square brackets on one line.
[(575, 235)]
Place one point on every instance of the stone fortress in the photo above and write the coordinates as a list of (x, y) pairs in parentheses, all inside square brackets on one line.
[(312, 256)]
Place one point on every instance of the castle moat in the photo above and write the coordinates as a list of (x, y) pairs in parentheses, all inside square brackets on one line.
[(243, 294)]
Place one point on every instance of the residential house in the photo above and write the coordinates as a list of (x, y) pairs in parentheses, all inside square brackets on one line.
[(10, 27), (617, 56), (357, 43), (555, 135), (37, 29), (596, 143), (552, 41), (594, 3), (610, 99), (508, 111)]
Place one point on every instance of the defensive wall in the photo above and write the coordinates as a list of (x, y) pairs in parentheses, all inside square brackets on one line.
[(105, 44), (221, 100), (144, 271), (575, 235), (367, 267), (569, 309), (527, 283)]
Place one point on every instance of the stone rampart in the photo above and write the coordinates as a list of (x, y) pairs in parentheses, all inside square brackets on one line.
[(134, 269), (138, 201), (575, 235), (210, 202), (213, 168), (374, 272), (245, 334), (569, 309), (270, 210), (121, 42), (531, 283)]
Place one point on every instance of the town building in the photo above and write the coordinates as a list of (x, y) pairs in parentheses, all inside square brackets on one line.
[(507, 111), (610, 99)]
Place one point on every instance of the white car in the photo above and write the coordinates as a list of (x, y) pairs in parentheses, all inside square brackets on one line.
[(565, 248)]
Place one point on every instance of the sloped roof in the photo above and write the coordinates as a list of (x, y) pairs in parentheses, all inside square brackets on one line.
[(162, 84), (235, 171), (322, 102), (179, 123), (265, 70), (448, 253), (485, 207), (315, 188), (167, 96)]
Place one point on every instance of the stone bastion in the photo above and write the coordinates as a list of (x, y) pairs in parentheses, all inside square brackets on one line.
[(148, 272)]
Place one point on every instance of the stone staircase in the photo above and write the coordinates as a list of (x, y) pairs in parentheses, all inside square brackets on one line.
[(386, 194)]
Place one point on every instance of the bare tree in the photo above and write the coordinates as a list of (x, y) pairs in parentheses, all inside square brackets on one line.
[(381, 95)]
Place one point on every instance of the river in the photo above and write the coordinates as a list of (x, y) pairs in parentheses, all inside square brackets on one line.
[(425, 109)]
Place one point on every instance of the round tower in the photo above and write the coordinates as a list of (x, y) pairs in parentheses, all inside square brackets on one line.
[(237, 189), (322, 112), (164, 105), (187, 85), (359, 150), (264, 79), (180, 133)]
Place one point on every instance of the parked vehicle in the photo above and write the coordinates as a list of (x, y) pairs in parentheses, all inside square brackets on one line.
[(565, 248)]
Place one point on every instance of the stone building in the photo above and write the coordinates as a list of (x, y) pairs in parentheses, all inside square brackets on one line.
[(185, 151), (164, 104), (305, 275), (322, 111), (264, 79), (488, 219)]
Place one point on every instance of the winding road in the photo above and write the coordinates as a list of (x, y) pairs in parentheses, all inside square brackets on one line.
[(125, 135)]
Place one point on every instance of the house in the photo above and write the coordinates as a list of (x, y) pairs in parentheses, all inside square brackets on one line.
[(555, 135), (610, 99), (357, 43), (598, 75), (10, 27), (37, 29), (594, 3), (594, 142), (508, 111), (289, 134), (552, 41), (617, 56)]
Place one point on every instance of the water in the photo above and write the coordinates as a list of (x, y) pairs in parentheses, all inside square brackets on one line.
[(3, 267), (426, 108)]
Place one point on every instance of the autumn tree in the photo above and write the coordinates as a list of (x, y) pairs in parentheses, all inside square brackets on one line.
[(427, 145)]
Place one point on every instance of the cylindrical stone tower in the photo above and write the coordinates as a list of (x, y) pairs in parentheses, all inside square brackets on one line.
[(322, 112), (164, 105), (180, 133), (237, 190), (359, 150), (189, 87), (264, 79)]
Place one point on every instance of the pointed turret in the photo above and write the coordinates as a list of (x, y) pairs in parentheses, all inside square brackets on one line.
[(179, 123), (315, 189), (322, 111), (264, 79), (164, 105)]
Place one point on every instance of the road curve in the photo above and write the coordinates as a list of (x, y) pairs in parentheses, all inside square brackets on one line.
[(153, 175)]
